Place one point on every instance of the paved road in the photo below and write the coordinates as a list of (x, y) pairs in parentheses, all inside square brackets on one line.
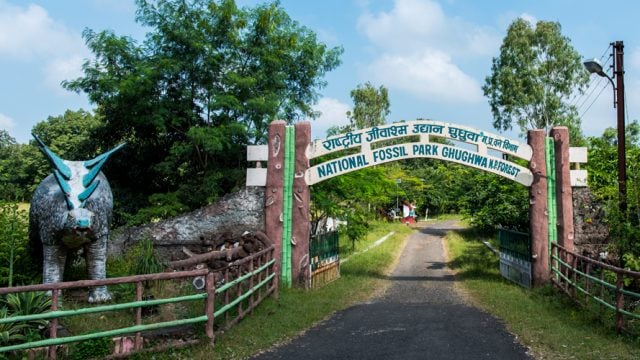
[(420, 316)]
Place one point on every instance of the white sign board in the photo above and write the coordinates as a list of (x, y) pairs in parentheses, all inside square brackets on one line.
[(383, 155), (424, 128), (479, 159)]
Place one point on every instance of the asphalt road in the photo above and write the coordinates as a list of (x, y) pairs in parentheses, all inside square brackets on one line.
[(420, 316)]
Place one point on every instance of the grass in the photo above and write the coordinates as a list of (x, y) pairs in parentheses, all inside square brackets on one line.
[(544, 320), (278, 320)]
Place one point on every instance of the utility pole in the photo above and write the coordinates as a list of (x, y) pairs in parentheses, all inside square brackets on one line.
[(618, 72)]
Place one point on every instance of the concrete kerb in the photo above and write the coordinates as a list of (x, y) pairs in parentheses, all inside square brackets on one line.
[(376, 243)]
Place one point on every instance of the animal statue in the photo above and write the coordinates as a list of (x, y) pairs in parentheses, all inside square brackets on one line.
[(71, 209)]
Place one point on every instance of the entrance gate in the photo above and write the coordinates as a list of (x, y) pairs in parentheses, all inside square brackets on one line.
[(288, 176)]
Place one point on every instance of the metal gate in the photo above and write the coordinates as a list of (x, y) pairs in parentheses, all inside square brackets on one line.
[(515, 256), (325, 258)]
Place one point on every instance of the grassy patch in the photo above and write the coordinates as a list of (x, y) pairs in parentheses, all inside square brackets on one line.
[(543, 319), (278, 320)]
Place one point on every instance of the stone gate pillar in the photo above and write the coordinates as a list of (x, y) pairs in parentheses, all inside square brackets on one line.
[(300, 211), (274, 189), (564, 192), (538, 212)]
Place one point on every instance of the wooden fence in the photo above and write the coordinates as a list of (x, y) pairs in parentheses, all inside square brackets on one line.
[(592, 282), (241, 287)]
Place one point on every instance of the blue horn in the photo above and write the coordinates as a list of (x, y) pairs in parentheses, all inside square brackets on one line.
[(55, 160), (94, 165)]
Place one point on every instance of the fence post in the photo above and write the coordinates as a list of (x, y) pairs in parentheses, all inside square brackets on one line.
[(209, 307), (53, 330), (138, 340), (619, 302), (538, 216)]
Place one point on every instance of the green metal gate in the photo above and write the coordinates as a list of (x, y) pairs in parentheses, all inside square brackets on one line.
[(515, 256), (325, 258)]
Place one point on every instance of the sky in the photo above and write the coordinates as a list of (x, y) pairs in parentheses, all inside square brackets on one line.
[(432, 55)]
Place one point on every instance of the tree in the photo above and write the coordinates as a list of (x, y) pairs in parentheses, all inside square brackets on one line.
[(207, 81), (531, 79), (370, 106)]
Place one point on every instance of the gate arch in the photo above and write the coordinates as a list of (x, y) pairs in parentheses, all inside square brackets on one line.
[(480, 158), (288, 176)]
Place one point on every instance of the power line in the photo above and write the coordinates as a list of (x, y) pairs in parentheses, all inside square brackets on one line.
[(588, 96), (585, 98), (578, 97), (594, 100)]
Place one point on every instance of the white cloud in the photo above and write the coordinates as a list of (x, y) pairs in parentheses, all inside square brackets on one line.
[(418, 49), (60, 69), (529, 18), (30, 34), (634, 59), (333, 112), (416, 24), (6, 123), (430, 75)]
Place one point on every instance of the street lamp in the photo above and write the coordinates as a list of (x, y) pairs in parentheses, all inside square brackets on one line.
[(594, 67)]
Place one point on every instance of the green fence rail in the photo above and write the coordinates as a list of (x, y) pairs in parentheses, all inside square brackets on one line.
[(254, 273), (591, 282)]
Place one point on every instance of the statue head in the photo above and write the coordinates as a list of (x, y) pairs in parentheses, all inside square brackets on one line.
[(77, 182)]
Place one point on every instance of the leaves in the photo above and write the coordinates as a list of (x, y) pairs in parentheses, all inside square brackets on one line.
[(531, 79), (207, 80)]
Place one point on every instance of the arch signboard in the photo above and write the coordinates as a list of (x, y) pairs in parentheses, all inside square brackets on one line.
[(484, 151)]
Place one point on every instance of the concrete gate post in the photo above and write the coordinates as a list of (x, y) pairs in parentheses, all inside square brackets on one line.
[(300, 212), (538, 212), (274, 189), (564, 192)]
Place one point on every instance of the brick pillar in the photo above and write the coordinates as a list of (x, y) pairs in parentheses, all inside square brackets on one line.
[(300, 211), (538, 212), (564, 193), (274, 189)]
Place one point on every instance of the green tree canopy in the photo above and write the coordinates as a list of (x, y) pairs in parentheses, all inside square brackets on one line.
[(206, 81), (531, 79), (370, 106)]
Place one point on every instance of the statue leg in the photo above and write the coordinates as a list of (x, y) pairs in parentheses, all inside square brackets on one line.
[(53, 264), (96, 259)]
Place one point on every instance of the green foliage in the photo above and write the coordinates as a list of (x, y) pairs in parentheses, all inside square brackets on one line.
[(15, 263), (207, 81), (161, 206), (92, 349), (18, 304), (370, 106), (532, 78), (10, 333), (18, 168), (357, 227), (602, 168), (29, 303), (492, 201), (145, 261)]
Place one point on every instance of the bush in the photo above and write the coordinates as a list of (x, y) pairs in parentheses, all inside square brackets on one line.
[(92, 349), (15, 264)]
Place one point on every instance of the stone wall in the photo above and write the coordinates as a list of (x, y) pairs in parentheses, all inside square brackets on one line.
[(591, 231), (204, 228)]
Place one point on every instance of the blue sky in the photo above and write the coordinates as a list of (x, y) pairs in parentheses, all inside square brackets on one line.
[(433, 56)]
